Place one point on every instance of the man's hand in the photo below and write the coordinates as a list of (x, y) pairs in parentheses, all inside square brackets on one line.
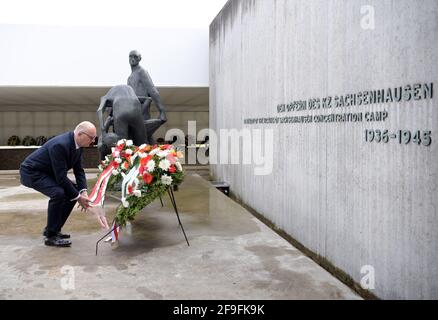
[(84, 201)]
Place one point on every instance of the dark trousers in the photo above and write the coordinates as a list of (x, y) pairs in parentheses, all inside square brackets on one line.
[(59, 207)]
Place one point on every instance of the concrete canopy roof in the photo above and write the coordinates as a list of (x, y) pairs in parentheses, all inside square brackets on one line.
[(51, 98)]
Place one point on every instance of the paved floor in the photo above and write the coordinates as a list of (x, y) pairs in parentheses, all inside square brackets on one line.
[(232, 255)]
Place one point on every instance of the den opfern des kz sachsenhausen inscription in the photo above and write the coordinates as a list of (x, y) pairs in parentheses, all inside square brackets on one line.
[(339, 104)]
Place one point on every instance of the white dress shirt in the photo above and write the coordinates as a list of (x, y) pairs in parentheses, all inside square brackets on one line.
[(79, 195)]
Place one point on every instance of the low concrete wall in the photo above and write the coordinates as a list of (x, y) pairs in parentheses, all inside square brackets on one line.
[(12, 157), (363, 199)]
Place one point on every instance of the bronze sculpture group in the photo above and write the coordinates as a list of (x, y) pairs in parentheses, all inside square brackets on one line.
[(126, 110)]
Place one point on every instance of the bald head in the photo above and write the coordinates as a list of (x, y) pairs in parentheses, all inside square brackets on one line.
[(85, 126), (85, 133)]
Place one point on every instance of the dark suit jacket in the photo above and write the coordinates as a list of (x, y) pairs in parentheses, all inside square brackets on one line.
[(55, 158)]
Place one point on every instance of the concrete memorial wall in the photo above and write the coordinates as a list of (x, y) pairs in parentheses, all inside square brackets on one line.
[(344, 97)]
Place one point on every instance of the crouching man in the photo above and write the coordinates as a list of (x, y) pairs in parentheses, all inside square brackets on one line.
[(45, 170)]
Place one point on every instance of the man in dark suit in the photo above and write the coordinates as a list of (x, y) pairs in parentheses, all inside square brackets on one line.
[(45, 170)]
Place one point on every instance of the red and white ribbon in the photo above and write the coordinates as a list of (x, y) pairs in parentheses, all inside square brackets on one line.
[(97, 195), (115, 232)]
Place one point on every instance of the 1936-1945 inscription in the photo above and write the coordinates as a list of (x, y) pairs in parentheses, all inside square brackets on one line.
[(338, 114)]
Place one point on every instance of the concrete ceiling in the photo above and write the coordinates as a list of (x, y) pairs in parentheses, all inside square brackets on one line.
[(16, 98)]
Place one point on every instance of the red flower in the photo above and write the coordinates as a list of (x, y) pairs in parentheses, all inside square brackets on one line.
[(130, 189), (145, 160), (172, 169), (115, 164), (147, 178)]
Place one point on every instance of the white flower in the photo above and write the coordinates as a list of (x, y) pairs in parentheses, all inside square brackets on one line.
[(128, 151), (125, 203), (142, 146), (178, 166), (150, 166), (107, 159), (165, 179), (118, 160), (129, 143), (115, 172), (137, 193), (164, 164), (163, 153), (142, 154), (154, 151), (120, 142)]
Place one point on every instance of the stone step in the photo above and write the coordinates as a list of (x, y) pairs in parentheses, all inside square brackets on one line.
[(202, 170)]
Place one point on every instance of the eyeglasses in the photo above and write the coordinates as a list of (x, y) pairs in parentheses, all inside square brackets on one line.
[(91, 137)]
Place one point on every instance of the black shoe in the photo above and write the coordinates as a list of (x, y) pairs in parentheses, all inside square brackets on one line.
[(59, 234), (57, 242)]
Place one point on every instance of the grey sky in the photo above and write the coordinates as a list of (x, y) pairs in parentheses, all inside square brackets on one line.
[(132, 13)]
